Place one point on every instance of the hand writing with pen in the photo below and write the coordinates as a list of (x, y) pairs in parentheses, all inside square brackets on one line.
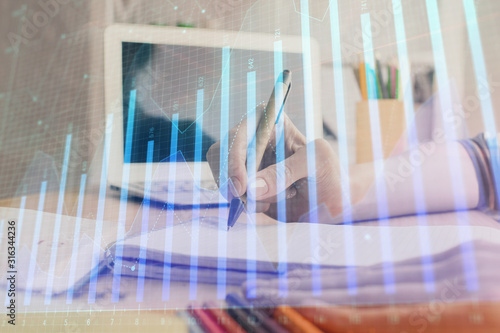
[(295, 175)]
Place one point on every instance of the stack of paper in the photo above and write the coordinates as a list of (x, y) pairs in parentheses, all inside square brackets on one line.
[(264, 248)]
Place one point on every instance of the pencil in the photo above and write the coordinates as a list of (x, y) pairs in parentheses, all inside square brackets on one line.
[(389, 88), (206, 320), (362, 80), (269, 324), (247, 321), (401, 89), (393, 81), (223, 319), (293, 321), (397, 84), (191, 322), (373, 89), (381, 84)]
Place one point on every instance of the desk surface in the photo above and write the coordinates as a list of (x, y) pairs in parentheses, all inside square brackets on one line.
[(179, 292), (112, 209), (476, 314)]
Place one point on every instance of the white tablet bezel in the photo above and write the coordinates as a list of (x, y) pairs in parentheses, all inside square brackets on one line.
[(118, 33)]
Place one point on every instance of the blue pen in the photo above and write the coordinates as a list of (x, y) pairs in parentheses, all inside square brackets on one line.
[(262, 136)]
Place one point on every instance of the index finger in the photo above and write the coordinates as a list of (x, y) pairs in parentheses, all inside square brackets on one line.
[(236, 157)]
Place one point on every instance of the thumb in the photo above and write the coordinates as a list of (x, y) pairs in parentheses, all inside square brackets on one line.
[(278, 177)]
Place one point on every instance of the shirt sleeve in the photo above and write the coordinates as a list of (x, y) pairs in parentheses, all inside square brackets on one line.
[(484, 153)]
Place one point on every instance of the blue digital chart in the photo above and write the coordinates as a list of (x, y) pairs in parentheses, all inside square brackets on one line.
[(250, 166)]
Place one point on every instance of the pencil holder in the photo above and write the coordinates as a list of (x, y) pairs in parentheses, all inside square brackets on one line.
[(392, 125)]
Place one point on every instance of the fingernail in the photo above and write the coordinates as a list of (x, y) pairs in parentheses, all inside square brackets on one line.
[(236, 188), (259, 187)]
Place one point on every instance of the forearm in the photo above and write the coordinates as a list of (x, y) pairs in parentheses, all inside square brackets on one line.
[(418, 181)]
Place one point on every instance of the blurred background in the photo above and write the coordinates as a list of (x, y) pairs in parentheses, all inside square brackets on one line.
[(52, 66)]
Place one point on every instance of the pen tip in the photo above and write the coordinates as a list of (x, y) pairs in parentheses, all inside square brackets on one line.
[(235, 209)]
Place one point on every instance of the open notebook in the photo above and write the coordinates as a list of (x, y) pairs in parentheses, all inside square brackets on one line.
[(336, 246), (259, 245)]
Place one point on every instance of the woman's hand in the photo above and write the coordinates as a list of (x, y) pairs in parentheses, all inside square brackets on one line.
[(296, 174)]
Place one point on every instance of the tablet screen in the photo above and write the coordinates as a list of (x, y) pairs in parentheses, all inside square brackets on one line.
[(181, 88)]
